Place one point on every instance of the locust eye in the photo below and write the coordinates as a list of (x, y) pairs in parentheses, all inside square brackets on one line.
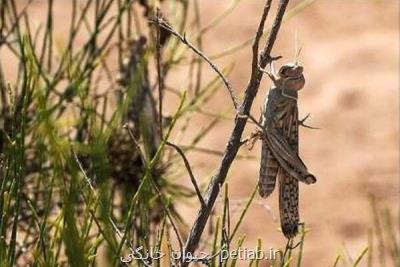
[(290, 70), (284, 70)]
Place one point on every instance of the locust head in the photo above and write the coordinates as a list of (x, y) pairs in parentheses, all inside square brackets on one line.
[(290, 76)]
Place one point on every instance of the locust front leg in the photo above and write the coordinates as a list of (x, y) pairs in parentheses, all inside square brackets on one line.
[(271, 73), (301, 123)]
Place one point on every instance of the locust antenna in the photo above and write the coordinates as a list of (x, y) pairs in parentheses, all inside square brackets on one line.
[(297, 48), (298, 56)]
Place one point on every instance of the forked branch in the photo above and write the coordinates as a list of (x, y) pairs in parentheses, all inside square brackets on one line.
[(234, 143)]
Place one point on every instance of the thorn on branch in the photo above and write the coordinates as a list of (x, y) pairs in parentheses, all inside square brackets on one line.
[(268, 58)]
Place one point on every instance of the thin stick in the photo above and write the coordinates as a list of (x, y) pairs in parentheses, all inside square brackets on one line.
[(89, 182), (159, 76), (187, 165), (233, 144), (163, 24)]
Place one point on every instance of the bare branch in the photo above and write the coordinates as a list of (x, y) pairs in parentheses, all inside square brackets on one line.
[(240, 122), (159, 76), (254, 62), (163, 24)]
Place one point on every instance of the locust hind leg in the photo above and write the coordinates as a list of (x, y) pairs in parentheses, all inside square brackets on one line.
[(268, 171), (288, 204)]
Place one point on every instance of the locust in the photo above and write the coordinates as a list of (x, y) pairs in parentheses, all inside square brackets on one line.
[(280, 145)]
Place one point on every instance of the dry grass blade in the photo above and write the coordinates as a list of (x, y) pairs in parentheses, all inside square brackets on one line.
[(359, 258), (187, 165)]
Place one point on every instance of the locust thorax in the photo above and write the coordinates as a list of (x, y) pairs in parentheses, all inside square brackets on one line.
[(291, 77)]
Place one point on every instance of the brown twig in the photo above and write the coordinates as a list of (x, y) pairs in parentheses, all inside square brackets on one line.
[(163, 24), (187, 165), (159, 75), (240, 122), (214, 152)]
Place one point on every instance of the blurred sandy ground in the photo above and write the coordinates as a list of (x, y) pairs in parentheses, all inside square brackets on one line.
[(350, 51)]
